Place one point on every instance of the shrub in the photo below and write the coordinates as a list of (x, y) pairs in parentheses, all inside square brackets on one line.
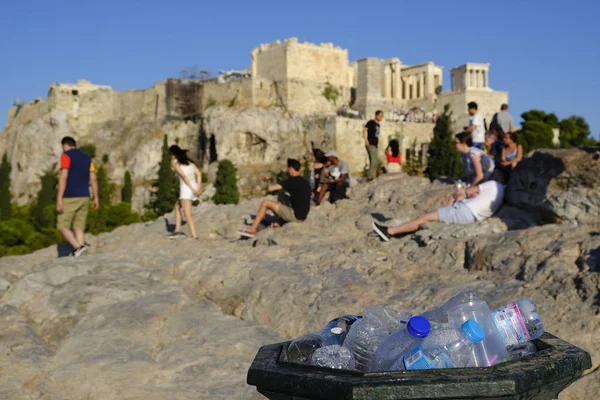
[(121, 214), (88, 149), (413, 165), (226, 184), (331, 93)]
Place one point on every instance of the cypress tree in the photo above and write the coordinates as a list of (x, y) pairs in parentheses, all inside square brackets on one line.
[(104, 191), (443, 159), (127, 191), (46, 198), (167, 189), (5, 196), (226, 184)]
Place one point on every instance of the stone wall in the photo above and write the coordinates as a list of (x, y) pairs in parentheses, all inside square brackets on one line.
[(232, 93), (488, 101), (350, 145)]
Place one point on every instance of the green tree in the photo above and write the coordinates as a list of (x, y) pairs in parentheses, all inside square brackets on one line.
[(46, 199), (574, 131), (413, 165), (226, 184), (443, 159), (166, 186), (127, 191), (5, 196), (105, 188), (120, 214), (536, 130)]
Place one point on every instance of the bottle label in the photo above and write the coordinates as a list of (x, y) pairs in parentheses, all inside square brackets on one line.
[(510, 324), (416, 360)]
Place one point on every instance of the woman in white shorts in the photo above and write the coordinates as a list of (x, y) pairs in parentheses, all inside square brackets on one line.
[(190, 187)]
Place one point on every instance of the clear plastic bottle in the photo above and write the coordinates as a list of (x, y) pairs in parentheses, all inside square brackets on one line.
[(301, 350), (398, 343), (440, 315), (333, 356), (366, 335), (518, 322), (444, 348), (491, 350)]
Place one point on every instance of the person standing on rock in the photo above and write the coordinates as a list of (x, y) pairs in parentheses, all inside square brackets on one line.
[(299, 198), (476, 203), (476, 126), (371, 133), (190, 187), (72, 200)]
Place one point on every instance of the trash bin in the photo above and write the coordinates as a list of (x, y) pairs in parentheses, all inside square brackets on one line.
[(541, 376)]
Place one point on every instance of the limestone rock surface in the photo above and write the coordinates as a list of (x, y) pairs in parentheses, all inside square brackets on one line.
[(142, 317)]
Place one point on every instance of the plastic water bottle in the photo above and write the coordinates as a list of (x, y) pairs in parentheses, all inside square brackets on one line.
[(444, 348), (398, 343), (459, 185), (366, 335), (518, 322), (440, 315), (491, 350), (301, 350), (334, 356), (521, 350)]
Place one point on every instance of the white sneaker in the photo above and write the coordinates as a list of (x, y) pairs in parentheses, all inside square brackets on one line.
[(79, 251)]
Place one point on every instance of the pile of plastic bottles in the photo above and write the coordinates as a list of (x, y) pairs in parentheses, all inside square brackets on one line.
[(462, 333)]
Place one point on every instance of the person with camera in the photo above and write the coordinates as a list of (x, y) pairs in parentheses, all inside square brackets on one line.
[(299, 199)]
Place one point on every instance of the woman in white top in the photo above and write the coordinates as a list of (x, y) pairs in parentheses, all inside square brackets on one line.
[(190, 187)]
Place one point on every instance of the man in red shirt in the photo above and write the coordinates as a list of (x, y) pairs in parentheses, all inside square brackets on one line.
[(72, 201)]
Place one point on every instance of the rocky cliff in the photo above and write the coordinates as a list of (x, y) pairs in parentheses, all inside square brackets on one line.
[(141, 317)]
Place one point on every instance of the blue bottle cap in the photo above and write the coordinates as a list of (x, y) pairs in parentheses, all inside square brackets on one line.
[(473, 331), (418, 326)]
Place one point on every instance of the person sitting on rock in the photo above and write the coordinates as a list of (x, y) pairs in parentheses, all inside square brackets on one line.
[(316, 169), (476, 203), (478, 166), (493, 147), (393, 156), (299, 199), (512, 153), (337, 178)]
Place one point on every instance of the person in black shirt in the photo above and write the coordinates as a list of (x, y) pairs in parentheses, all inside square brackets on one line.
[(297, 211), (371, 136)]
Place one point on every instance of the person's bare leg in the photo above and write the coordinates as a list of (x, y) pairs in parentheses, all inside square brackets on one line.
[(80, 235), (262, 212), (415, 224), (177, 209), (70, 237), (187, 212), (324, 189)]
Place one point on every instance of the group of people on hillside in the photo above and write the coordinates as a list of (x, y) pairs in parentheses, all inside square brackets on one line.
[(487, 156)]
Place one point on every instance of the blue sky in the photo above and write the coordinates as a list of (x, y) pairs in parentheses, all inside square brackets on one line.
[(545, 53)]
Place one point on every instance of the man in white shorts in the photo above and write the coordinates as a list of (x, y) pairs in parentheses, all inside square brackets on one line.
[(476, 203)]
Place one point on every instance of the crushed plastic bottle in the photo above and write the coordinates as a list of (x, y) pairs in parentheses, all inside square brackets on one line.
[(333, 356), (301, 350), (444, 348), (398, 343), (366, 335), (521, 350), (518, 322), (440, 315)]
